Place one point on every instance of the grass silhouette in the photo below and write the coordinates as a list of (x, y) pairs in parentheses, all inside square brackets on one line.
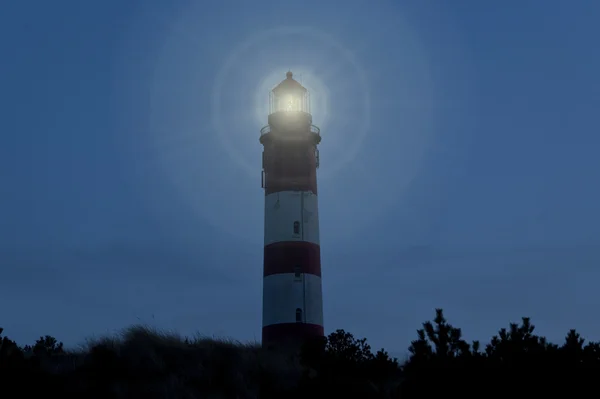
[(143, 362)]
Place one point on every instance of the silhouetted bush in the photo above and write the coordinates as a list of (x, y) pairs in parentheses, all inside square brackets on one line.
[(341, 364), (144, 363)]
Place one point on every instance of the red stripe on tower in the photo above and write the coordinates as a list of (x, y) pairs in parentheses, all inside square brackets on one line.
[(292, 293)]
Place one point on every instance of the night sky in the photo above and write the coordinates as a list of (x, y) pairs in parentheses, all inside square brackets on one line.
[(459, 163)]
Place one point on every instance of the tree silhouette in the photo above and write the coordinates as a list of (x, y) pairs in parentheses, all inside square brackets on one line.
[(516, 362), (11, 356), (341, 360), (438, 341), (47, 346)]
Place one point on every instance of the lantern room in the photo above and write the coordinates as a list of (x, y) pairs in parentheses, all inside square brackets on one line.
[(289, 96)]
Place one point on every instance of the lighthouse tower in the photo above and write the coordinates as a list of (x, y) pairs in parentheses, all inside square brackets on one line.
[(292, 294)]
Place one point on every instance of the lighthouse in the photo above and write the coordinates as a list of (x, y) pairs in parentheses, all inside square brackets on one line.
[(292, 293)]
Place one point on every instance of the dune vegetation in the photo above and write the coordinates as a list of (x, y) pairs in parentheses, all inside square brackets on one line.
[(146, 363)]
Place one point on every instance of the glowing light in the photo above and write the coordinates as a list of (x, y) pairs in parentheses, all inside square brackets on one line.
[(399, 112), (289, 96)]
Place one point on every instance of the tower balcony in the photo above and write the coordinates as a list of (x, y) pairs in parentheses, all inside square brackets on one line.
[(313, 129)]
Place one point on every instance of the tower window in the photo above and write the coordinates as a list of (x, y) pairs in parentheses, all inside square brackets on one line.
[(297, 273), (296, 227), (298, 315)]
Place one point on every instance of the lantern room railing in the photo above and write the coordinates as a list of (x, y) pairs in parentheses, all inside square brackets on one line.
[(313, 129)]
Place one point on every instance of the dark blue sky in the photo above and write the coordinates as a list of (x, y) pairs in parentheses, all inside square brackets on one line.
[(459, 164)]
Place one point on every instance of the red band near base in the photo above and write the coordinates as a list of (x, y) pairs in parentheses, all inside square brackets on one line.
[(295, 332)]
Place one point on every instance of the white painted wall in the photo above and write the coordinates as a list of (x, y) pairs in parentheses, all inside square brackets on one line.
[(283, 294), (282, 209)]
